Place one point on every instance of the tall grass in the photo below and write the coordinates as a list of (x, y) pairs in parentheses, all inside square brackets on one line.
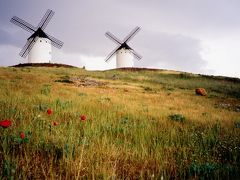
[(127, 133)]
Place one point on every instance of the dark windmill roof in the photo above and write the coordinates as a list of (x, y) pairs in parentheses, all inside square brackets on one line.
[(125, 46), (39, 33)]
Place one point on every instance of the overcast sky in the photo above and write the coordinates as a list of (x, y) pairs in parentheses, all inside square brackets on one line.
[(199, 36)]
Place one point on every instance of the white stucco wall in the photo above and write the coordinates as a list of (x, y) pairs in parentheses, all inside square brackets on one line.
[(124, 58), (41, 51)]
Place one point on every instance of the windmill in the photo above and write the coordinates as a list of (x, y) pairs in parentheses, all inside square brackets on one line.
[(124, 53), (39, 44)]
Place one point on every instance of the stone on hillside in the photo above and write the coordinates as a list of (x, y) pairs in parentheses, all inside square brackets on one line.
[(201, 91)]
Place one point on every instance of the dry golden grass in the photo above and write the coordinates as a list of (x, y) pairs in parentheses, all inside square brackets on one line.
[(128, 134)]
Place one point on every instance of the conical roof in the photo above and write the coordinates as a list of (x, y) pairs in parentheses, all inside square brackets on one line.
[(39, 33), (125, 46)]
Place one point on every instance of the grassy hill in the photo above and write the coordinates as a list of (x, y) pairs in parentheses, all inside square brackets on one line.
[(146, 124)]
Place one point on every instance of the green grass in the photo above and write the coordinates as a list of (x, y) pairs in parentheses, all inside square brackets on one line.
[(143, 124)]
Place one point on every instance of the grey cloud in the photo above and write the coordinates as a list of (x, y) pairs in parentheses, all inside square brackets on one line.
[(8, 56), (173, 51), (17, 38), (171, 34)]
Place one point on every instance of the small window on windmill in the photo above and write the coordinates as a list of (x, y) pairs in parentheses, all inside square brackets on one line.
[(40, 40)]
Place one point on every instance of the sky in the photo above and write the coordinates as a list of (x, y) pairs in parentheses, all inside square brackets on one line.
[(197, 36)]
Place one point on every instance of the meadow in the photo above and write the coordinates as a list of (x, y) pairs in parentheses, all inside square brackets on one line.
[(69, 123)]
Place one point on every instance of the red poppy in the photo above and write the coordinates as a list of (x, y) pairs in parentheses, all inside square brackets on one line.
[(83, 117), (49, 111), (5, 123), (55, 123), (22, 135)]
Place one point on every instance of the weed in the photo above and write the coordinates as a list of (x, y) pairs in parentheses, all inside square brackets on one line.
[(237, 124), (60, 104), (177, 117), (147, 88), (42, 107), (205, 170), (22, 137), (82, 94), (8, 170), (46, 89), (105, 99)]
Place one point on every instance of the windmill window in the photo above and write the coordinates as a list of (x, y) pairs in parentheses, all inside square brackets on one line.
[(40, 40)]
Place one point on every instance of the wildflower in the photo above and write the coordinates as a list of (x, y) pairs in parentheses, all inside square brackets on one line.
[(83, 117), (49, 111), (5, 123), (22, 135), (55, 123)]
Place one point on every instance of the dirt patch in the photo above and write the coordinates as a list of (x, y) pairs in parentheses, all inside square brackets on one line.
[(85, 81)]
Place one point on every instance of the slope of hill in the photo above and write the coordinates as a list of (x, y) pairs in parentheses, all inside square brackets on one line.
[(71, 123)]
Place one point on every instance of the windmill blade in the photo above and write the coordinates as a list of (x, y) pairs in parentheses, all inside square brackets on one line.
[(112, 53), (55, 42), (27, 47), (136, 55), (113, 38), (131, 34), (45, 20), (23, 24)]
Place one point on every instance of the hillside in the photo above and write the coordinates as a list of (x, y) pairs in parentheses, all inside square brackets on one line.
[(69, 123)]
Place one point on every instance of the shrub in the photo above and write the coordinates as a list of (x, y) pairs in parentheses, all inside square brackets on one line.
[(177, 117)]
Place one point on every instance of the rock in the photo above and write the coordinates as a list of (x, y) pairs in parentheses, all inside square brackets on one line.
[(201, 91)]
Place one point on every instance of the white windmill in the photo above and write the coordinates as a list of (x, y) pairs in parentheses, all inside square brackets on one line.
[(39, 44), (124, 53)]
